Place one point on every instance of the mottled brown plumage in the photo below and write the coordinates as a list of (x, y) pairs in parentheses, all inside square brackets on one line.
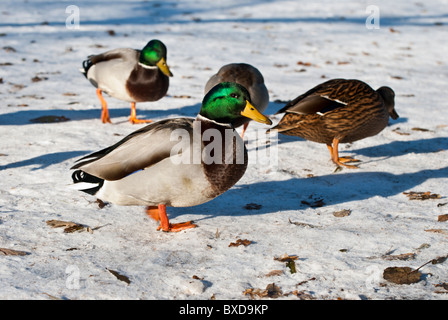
[(338, 111)]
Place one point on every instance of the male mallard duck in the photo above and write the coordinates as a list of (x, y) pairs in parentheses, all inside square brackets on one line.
[(130, 75), (150, 167), (249, 77), (338, 111)]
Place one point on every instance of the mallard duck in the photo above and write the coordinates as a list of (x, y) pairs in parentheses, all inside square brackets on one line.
[(151, 167), (129, 75), (250, 78), (338, 111)]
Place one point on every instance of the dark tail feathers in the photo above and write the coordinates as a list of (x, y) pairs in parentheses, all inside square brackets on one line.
[(86, 64), (81, 176)]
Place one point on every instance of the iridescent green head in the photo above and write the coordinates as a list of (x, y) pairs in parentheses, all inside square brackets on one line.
[(154, 54), (227, 102)]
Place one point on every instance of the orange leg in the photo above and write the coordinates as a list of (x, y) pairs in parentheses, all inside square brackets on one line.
[(159, 213), (104, 112), (133, 118), (335, 155)]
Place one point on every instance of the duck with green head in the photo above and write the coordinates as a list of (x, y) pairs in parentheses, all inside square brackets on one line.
[(129, 75), (142, 168)]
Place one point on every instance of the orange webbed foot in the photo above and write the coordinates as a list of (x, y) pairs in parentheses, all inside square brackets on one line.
[(137, 121), (348, 159), (159, 214), (176, 227), (340, 161), (133, 118)]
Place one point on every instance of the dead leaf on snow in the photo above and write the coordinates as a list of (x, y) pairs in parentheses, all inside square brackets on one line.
[(442, 218), (442, 285), (303, 224), (51, 296), (413, 195), (11, 252), (401, 275), (271, 291), (439, 260), (406, 275), (342, 213), (69, 226), (240, 242), (305, 281), (37, 78), (306, 64), (397, 130), (74, 228), (421, 129), (286, 257), (403, 256), (60, 223), (290, 261), (302, 295), (274, 273), (119, 276), (101, 203), (441, 231)]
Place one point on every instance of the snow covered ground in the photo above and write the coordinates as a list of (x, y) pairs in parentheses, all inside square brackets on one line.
[(286, 207)]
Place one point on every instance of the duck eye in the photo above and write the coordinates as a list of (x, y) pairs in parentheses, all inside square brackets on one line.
[(234, 95)]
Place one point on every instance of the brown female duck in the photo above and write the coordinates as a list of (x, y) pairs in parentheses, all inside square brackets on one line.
[(249, 77), (338, 111)]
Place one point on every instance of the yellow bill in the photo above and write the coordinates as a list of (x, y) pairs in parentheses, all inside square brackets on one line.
[(164, 67), (252, 113)]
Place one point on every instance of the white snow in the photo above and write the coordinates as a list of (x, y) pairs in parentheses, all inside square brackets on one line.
[(338, 257)]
